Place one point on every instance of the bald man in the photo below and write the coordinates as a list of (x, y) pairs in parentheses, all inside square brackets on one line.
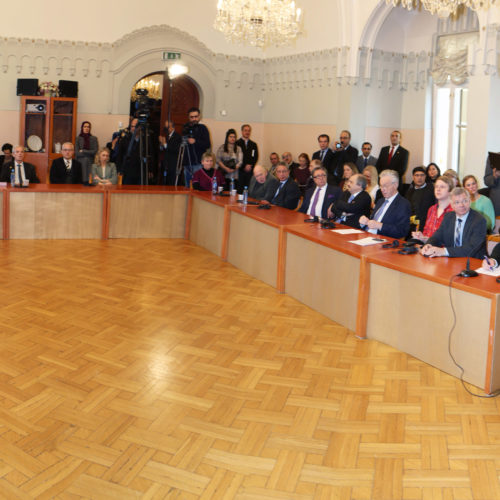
[(262, 185)]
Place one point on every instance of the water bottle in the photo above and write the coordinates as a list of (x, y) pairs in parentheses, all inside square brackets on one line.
[(245, 196), (214, 185), (231, 187), (12, 178)]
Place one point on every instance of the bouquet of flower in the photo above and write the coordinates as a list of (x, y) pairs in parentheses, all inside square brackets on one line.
[(48, 89)]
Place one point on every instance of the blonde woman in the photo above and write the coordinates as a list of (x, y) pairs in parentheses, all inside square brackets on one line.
[(371, 175), (103, 171)]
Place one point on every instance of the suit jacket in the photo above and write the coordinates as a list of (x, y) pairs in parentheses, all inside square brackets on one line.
[(289, 195), (350, 154), (396, 220), (399, 161), (110, 173), (360, 162), (171, 152), (359, 206), (421, 200), (332, 194), (473, 235), (29, 172), (328, 164), (58, 172), (250, 152)]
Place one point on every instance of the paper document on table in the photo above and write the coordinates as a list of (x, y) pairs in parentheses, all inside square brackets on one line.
[(364, 242), (347, 231), (494, 272)]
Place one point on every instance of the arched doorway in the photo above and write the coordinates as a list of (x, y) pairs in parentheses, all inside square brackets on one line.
[(185, 95)]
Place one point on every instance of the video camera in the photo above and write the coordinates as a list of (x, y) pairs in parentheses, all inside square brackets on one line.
[(142, 106)]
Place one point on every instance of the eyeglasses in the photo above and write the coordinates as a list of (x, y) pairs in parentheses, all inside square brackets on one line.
[(319, 176)]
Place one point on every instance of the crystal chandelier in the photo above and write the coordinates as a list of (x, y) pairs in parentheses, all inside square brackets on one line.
[(259, 23), (443, 8), (151, 85)]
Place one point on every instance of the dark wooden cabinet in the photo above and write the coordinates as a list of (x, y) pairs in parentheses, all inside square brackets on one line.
[(45, 123)]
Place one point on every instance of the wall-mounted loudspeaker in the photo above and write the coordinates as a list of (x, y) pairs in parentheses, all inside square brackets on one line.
[(27, 86), (68, 88)]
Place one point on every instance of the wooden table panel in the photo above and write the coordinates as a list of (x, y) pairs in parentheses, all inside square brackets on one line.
[(55, 215), (414, 315), (147, 215), (322, 278), (207, 225), (253, 247)]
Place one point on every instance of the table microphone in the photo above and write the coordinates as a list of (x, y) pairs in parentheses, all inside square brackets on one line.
[(314, 219), (468, 272), (394, 244)]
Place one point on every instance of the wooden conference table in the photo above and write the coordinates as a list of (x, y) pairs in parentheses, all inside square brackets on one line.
[(401, 300)]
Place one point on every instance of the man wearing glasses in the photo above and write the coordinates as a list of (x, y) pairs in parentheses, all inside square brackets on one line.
[(319, 198)]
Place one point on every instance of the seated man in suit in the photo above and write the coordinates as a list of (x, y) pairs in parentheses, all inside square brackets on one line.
[(262, 185), (462, 232), (353, 203), (287, 194), (365, 158), (22, 171), (318, 198), (391, 214), (66, 170)]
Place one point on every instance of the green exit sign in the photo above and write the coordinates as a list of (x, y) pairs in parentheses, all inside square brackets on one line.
[(169, 56)]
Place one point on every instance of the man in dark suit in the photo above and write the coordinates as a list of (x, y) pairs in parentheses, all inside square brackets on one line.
[(462, 232), (250, 155), (354, 203), (318, 199), (325, 156), (365, 158), (421, 197), (391, 215), (292, 165), (22, 171), (170, 144), (394, 156), (287, 194), (66, 170), (342, 154)]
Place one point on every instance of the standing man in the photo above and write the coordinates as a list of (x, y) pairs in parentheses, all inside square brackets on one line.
[(22, 171), (325, 156), (198, 142), (394, 157), (462, 232), (274, 159), (128, 157), (250, 155), (292, 165), (170, 144), (343, 153), (365, 158), (421, 198), (66, 170), (391, 215)]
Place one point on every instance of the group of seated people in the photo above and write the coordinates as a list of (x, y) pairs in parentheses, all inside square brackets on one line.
[(444, 216)]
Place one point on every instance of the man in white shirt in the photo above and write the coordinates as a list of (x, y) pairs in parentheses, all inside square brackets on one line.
[(321, 196)]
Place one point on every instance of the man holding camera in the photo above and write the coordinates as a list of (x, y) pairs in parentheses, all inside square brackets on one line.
[(196, 138)]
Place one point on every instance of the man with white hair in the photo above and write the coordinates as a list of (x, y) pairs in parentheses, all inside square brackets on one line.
[(391, 215), (22, 171), (262, 185)]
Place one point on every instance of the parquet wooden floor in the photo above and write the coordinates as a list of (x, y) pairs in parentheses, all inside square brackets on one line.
[(151, 369)]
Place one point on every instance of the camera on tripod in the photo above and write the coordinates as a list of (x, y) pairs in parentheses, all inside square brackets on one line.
[(142, 105)]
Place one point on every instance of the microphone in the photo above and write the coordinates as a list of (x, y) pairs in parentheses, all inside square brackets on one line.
[(314, 219), (468, 272), (408, 250), (394, 244)]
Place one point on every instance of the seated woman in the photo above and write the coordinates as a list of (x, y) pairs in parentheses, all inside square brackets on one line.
[(301, 173), (442, 190), (230, 158), (86, 147), (432, 173), (204, 178), (349, 170), (479, 202), (102, 171), (372, 188)]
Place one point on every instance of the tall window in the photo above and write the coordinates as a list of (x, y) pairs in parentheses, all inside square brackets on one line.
[(449, 127)]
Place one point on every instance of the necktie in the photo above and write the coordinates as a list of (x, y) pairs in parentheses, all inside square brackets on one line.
[(19, 179), (366, 162), (390, 154), (458, 233), (379, 212), (67, 164), (278, 191), (315, 202), (350, 198), (323, 153)]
